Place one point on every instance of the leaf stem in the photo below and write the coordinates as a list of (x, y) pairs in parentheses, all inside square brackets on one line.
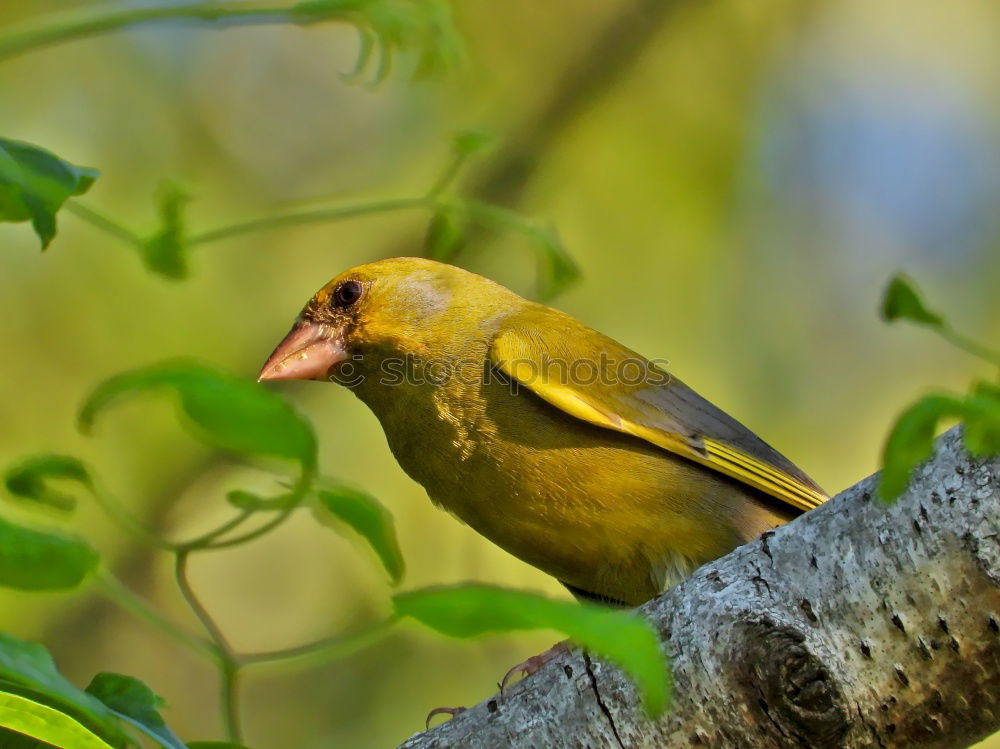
[(103, 222), (119, 514), (968, 345), (251, 535), (497, 217), (303, 485), (227, 14), (335, 646), (231, 701), (205, 540), (310, 217), (449, 174), (213, 630), (229, 662), (117, 592)]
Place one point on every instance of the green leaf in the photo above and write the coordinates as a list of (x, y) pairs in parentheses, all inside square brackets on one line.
[(29, 665), (28, 479), (557, 268), (232, 414), (214, 745), (244, 500), (902, 302), (166, 251), (395, 25), (35, 183), (988, 390), (472, 142), (45, 723), (911, 441), (441, 47), (13, 740), (368, 518), (982, 419), (445, 236), (622, 637), (134, 702), (33, 560)]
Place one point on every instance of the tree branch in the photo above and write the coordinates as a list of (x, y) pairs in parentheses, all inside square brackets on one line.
[(856, 625)]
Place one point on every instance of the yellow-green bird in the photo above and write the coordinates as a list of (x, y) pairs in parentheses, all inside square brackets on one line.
[(555, 442)]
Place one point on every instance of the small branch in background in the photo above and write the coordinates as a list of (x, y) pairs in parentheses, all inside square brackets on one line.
[(385, 27), (228, 14), (229, 666), (318, 215), (327, 648), (969, 345), (121, 595), (602, 61), (103, 222)]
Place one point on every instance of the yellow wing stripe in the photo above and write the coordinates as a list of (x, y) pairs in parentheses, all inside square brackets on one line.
[(722, 458), (763, 476), (716, 455), (724, 452)]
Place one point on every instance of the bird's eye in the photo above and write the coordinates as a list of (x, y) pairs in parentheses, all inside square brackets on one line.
[(347, 293)]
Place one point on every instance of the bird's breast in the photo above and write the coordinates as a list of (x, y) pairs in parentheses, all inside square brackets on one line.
[(600, 510)]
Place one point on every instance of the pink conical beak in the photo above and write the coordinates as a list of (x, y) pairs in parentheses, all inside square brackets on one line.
[(308, 352)]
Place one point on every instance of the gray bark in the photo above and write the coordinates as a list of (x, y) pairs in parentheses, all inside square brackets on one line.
[(856, 625)]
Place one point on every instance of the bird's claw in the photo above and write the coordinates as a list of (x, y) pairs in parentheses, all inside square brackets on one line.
[(533, 664), (452, 711)]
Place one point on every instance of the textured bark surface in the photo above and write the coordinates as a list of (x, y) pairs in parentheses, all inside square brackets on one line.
[(857, 625)]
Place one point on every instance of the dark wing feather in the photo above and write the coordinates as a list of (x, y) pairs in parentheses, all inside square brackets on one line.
[(596, 379)]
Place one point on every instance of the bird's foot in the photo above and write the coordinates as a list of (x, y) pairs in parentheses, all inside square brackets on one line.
[(452, 711), (533, 664), (527, 667)]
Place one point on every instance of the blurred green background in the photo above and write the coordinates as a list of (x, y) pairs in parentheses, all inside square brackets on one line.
[(737, 181)]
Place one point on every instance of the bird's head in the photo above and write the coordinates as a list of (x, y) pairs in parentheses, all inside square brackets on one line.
[(397, 307)]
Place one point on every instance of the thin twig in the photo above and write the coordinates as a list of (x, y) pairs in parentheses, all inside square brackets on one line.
[(226, 14), (103, 222), (229, 662), (206, 539), (318, 215), (335, 646), (254, 534), (213, 630), (970, 346), (114, 590), (231, 701), (449, 174)]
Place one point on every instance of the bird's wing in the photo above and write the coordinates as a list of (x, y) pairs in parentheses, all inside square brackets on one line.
[(596, 379)]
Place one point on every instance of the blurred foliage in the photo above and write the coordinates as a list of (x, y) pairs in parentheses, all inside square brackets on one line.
[(386, 27), (238, 417), (36, 560), (29, 720), (911, 439), (734, 196), (475, 610), (135, 703), (165, 252), (27, 665), (226, 412), (34, 184), (29, 479), (368, 518), (242, 417)]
